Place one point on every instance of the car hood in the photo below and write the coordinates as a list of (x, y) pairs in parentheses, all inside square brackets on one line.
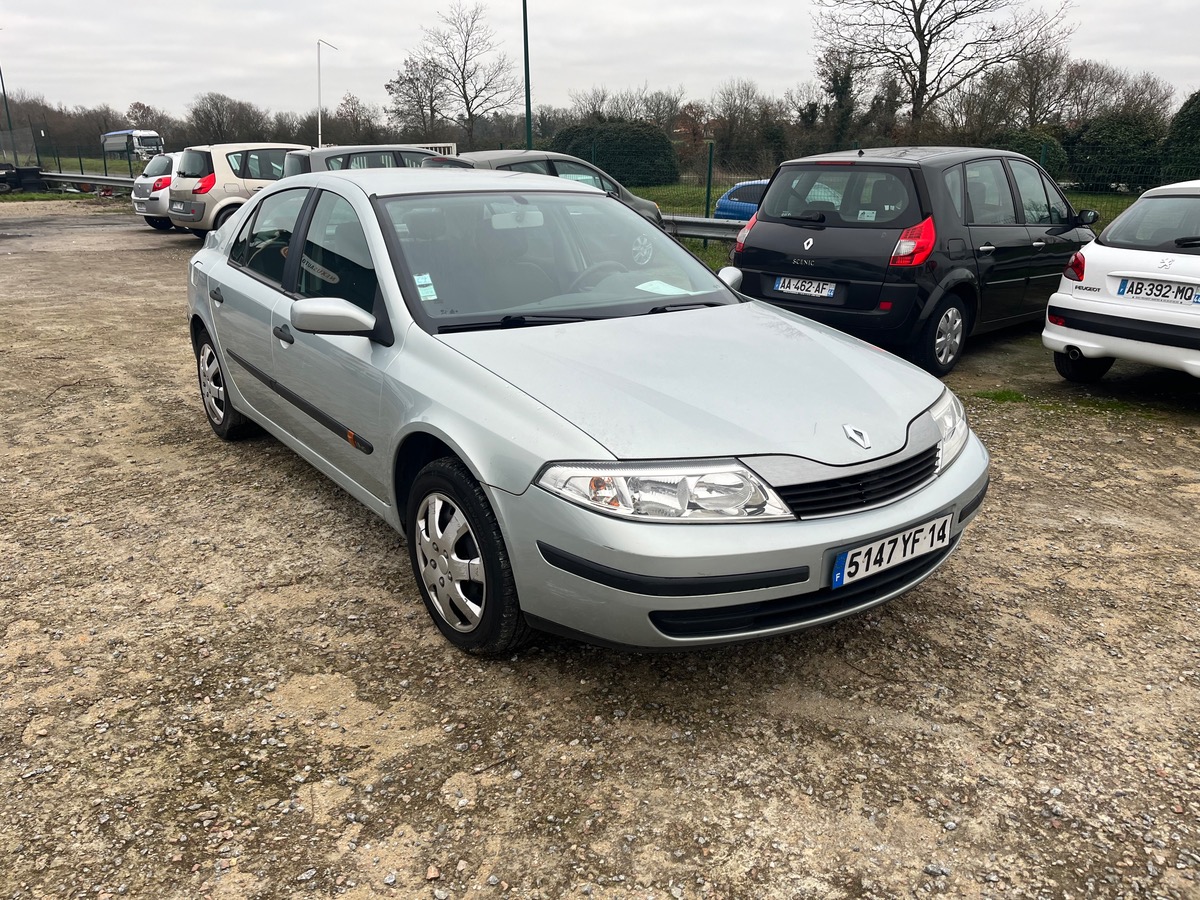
[(742, 380)]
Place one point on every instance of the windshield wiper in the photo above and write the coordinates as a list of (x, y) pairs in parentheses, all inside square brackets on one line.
[(1193, 241), (685, 304), (519, 321)]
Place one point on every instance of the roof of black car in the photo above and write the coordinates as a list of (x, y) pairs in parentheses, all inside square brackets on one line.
[(909, 155)]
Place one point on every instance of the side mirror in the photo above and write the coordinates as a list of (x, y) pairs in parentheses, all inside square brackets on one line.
[(331, 315), (731, 276), (1088, 217)]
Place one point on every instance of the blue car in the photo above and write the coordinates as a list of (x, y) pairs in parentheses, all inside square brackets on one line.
[(740, 202)]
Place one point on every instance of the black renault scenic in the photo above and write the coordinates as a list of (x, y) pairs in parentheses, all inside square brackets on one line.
[(914, 248)]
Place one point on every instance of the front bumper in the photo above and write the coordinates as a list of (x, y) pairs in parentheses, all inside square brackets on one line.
[(662, 585), (1170, 338)]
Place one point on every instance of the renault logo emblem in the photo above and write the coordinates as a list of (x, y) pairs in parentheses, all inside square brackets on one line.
[(858, 436), (808, 244)]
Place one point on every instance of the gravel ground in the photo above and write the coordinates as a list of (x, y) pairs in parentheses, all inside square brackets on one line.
[(217, 679)]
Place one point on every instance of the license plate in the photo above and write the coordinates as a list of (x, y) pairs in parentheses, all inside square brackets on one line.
[(139, 207), (805, 286), (1163, 291), (176, 206), (851, 565)]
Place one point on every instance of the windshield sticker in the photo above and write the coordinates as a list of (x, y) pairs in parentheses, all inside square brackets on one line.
[(866, 215), (318, 270), (661, 287), (425, 288)]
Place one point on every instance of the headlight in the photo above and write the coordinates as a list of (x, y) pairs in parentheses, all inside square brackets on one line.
[(951, 421), (720, 490)]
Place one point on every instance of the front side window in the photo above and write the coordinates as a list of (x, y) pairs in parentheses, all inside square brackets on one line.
[(1060, 211), (1032, 193), (336, 260), (1157, 223), (847, 195), (265, 164), (262, 246), (989, 200)]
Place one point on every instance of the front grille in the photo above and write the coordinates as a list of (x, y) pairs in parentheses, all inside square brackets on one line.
[(816, 606), (860, 491)]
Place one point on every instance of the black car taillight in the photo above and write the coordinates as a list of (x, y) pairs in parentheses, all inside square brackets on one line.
[(1074, 269), (915, 244), (740, 244)]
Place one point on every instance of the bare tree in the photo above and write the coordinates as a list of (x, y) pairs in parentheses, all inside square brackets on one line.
[(1037, 86), (629, 104), (419, 97), (479, 79), (590, 105), (217, 118), (930, 47), (358, 122), (662, 107)]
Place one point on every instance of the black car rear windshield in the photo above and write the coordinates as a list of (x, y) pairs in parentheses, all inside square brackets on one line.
[(194, 164), (853, 195), (1168, 224)]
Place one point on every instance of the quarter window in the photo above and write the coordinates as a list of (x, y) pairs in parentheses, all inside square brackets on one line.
[(989, 199), (575, 172), (954, 188), (264, 245), (235, 161), (336, 260)]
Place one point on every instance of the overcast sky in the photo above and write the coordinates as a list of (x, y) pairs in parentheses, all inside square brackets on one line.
[(78, 53)]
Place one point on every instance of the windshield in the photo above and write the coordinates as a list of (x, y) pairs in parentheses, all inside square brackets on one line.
[(470, 260), (843, 195), (1161, 224)]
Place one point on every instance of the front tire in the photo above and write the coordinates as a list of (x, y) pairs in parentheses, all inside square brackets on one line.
[(227, 422), (460, 562), (940, 342), (158, 223), (1084, 370)]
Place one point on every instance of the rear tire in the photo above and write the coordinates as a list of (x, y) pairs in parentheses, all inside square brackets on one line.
[(1084, 370), (227, 422), (159, 223), (460, 562), (941, 340), (223, 216)]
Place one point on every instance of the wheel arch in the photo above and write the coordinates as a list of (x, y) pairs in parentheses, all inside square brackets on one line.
[(962, 284), (414, 452)]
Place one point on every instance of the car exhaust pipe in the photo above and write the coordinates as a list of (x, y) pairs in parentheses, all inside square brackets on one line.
[(1074, 354)]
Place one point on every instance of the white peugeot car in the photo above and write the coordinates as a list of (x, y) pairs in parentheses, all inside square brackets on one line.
[(1134, 292), (578, 427)]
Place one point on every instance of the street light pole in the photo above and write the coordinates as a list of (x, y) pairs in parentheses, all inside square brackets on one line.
[(528, 96), (327, 44)]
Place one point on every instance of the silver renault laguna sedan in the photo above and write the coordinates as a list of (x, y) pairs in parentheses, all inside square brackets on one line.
[(577, 426)]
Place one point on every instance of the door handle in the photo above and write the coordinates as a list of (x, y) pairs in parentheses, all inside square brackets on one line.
[(987, 249), (216, 296), (283, 333), (1038, 245)]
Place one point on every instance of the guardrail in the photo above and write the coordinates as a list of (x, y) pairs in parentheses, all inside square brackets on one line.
[(69, 178), (696, 227)]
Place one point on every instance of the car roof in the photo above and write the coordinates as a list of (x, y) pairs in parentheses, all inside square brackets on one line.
[(1184, 188), (326, 152), (248, 145), (505, 155), (385, 182), (914, 156)]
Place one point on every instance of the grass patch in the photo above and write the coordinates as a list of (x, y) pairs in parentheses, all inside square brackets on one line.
[(715, 255), (23, 196), (1004, 396)]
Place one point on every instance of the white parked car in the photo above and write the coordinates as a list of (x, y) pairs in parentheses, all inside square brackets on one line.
[(152, 191), (1134, 292)]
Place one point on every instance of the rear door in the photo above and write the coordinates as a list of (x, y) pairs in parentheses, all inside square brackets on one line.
[(263, 166), (1003, 251), (825, 234)]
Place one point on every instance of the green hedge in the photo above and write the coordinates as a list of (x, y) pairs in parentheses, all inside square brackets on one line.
[(635, 153), (1040, 146), (1181, 150)]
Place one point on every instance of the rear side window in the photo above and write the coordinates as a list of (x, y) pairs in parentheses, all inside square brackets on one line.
[(847, 195), (1155, 223), (160, 165), (954, 189), (235, 161), (412, 159), (376, 159), (989, 200), (194, 164), (748, 193), (536, 166)]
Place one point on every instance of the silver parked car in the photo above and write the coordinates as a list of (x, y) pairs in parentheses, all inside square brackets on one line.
[(151, 192), (578, 427)]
